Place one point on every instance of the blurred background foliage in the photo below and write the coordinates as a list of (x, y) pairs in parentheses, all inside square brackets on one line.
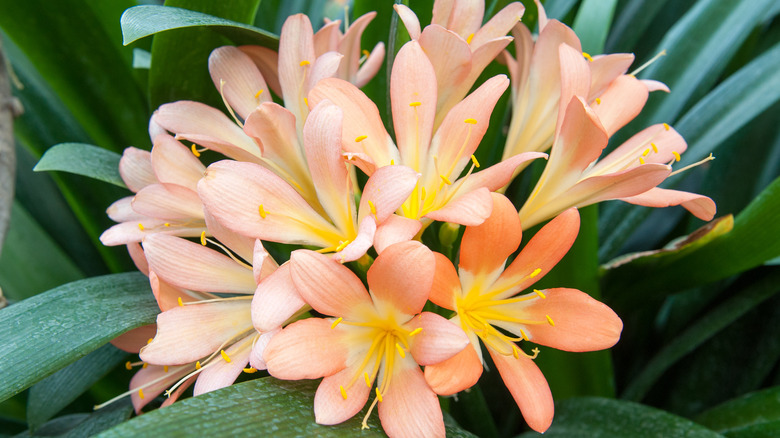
[(700, 349)]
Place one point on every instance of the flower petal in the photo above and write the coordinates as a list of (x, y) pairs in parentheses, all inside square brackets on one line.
[(701, 206), (402, 275), (446, 283), (350, 47), (471, 208), (438, 341), (327, 286), (306, 349), (485, 247), (135, 339), (296, 54), (455, 374), (168, 201), (410, 408), (360, 244), (621, 102), (330, 407), (371, 65), (238, 79), (258, 350), (151, 382), (499, 25), (581, 322), (174, 163), (267, 61), (498, 175), (220, 373), (394, 230), (386, 190), (528, 387), (135, 168), (276, 300), (410, 20)]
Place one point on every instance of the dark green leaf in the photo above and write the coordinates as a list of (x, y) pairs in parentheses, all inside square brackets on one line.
[(141, 21), (592, 24), (81, 316), (83, 159), (558, 9), (750, 411), (702, 330), (631, 23), (53, 393), (262, 407), (594, 417), (84, 425)]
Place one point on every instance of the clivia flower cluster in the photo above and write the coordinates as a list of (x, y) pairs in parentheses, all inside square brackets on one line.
[(304, 159)]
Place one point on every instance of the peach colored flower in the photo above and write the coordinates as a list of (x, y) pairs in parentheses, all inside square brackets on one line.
[(484, 295), (374, 336)]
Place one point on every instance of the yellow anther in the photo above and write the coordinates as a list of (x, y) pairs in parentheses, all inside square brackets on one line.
[(535, 351), (646, 152), (262, 211), (140, 226), (194, 150), (587, 56), (144, 365), (378, 395), (415, 104), (541, 295), (203, 238), (368, 381), (225, 357), (343, 392), (181, 303), (306, 101), (372, 207), (524, 336), (165, 368), (400, 350), (474, 160), (469, 38), (598, 101), (149, 341), (470, 121), (515, 352), (446, 180), (258, 94), (141, 393), (641, 160), (342, 245), (415, 331), (536, 272), (197, 365), (655, 148), (305, 63), (250, 370), (128, 365), (676, 155), (336, 322), (552, 323), (631, 76), (392, 162), (366, 53), (666, 126), (360, 138)]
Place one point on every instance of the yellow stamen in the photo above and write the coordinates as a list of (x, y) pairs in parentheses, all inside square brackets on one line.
[(306, 101), (469, 38), (415, 104), (366, 53), (336, 322), (373, 209), (550, 320), (691, 166), (514, 352), (181, 303), (470, 121), (197, 365), (262, 211), (538, 292), (257, 95), (378, 395), (250, 370), (165, 368), (598, 101), (140, 226), (655, 148), (144, 365), (128, 365), (368, 381), (415, 331), (646, 152), (141, 393), (149, 341), (342, 245), (587, 56), (203, 238), (525, 336), (666, 126), (194, 150), (400, 350), (676, 155), (360, 138), (227, 358), (474, 160), (641, 160), (305, 63), (446, 180), (167, 224), (343, 392), (536, 272), (392, 162)]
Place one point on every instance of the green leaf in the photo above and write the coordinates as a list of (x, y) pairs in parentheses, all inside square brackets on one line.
[(81, 316), (28, 253), (261, 407), (84, 425), (734, 417), (145, 20), (83, 159), (751, 242), (592, 24), (52, 394), (631, 23), (606, 418), (142, 59), (184, 75), (699, 332)]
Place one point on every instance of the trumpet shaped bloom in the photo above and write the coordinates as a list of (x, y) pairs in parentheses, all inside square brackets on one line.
[(439, 156), (373, 336), (485, 296), (458, 45), (166, 199)]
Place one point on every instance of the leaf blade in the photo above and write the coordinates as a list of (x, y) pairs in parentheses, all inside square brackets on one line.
[(83, 159)]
